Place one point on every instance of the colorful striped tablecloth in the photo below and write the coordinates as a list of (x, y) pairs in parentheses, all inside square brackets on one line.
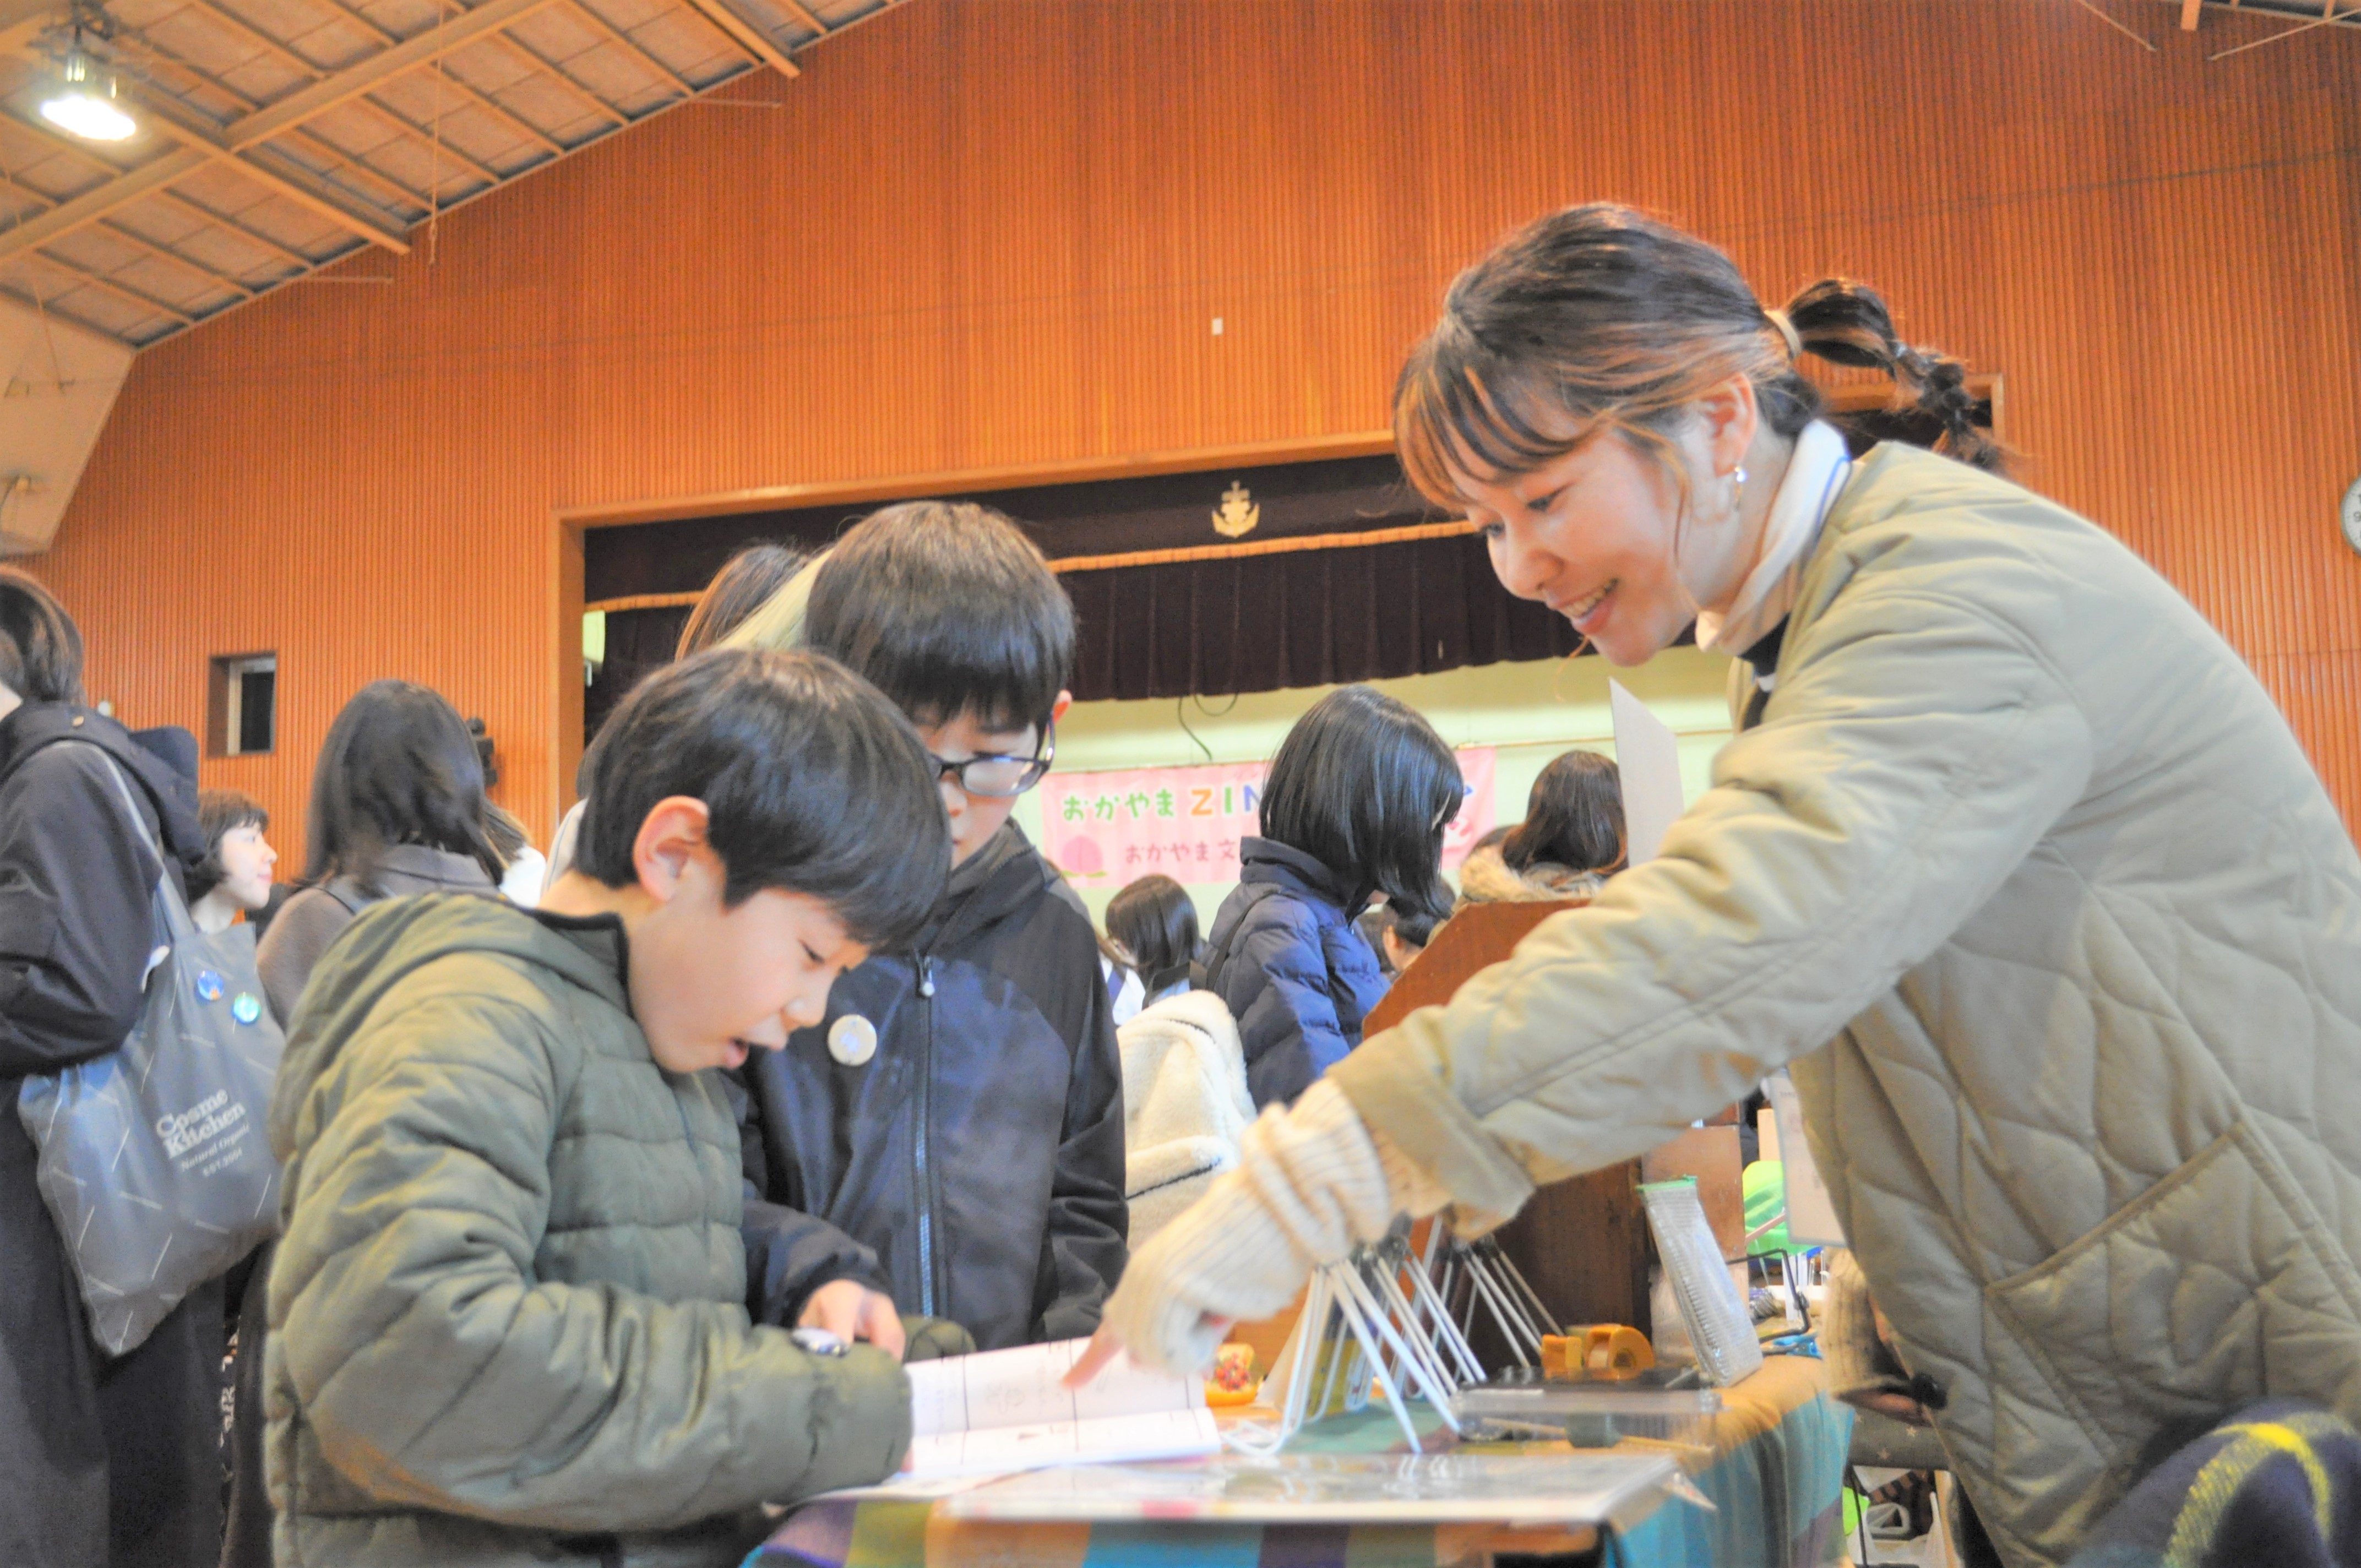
[(1774, 1471)]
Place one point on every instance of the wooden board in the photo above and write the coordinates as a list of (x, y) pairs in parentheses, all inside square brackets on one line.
[(1582, 1244)]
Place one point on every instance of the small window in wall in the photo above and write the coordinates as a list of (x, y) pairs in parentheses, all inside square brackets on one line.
[(242, 705)]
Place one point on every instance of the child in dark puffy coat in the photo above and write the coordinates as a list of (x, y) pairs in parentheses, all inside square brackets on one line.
[(1356, 804)]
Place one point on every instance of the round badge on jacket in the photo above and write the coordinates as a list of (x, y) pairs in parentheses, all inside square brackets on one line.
[(246, 1007), (852, 1040), (209, 986)]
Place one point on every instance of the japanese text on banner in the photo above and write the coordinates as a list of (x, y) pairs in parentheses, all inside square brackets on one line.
[(1111, 827)]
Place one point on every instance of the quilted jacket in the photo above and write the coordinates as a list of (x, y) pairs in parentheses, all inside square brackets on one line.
[(507, 1320), (2025, 873), (1285, 956)]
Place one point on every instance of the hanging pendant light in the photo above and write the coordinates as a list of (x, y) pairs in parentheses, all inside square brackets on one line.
[(85, 103)]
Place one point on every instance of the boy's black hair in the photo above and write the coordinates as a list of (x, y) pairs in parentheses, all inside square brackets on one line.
[(947, 609), (1364, 785), (1154, 921), (41, 646), (218, 812), (816, 785), (397, 767)]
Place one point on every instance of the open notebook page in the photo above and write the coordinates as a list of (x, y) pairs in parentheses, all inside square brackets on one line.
[(1009, 1410)]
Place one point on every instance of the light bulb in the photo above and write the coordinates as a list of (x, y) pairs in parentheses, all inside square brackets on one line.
[(86, 105)]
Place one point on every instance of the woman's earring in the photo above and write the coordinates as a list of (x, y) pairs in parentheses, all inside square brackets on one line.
[(1737, 487)]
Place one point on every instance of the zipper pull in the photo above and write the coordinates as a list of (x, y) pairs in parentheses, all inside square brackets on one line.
[(927, 977)]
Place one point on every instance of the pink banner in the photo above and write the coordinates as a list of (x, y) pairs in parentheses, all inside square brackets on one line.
[(1107, 829)]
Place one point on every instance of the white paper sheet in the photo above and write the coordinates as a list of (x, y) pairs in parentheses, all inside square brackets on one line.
[(1009, 1410), (1300, 1488), (1811, 1212), (1648, 755)]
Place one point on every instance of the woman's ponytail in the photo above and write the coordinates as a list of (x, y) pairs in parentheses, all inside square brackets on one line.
[(41, 646), (1846, 323)]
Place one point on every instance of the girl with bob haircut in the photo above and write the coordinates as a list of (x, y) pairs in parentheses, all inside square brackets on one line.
[(2012, 863), (100, 1461), (1354, 804), (1154, 921)]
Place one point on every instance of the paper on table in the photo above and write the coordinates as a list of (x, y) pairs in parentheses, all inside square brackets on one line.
[(1648, 755), (1306, 1488), (1009, 1410)]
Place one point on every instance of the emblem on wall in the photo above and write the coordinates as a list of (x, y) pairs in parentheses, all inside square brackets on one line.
[(1238, 514)]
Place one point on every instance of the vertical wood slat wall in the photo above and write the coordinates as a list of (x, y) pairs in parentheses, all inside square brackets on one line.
[(979, 234)]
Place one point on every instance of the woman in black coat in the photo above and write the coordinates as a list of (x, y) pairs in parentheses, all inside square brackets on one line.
[(104, 1463)]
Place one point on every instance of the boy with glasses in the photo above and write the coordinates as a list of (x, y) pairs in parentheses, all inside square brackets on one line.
[(960, 1109)]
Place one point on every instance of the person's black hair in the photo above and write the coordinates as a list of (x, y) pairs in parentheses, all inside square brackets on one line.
[(1154, 921), (815, 783), (947, 609), (397, 767), (737, 591), (41, 646), (1415, 929), (1573, 816), (219, 813), (507, 834), (1493, 837), (1615, 321), (1364, 785)]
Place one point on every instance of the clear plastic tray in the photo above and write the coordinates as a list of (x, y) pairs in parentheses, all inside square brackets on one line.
[(1591, 1415)]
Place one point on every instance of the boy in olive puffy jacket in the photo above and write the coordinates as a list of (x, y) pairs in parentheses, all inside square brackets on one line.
[(507, 1318)]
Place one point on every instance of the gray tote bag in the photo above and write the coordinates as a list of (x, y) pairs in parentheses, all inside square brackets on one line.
[(154, 1163)]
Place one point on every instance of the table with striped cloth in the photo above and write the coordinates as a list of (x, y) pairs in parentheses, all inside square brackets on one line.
[(1773, 1471)]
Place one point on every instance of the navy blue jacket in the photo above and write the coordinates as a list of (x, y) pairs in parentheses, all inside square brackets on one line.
[(979, 1154), (1297, 975)]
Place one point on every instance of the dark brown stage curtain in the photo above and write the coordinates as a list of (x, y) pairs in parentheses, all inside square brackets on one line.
[(1257, 623), (1302, 619)]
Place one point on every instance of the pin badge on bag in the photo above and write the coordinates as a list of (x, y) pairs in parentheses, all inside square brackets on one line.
[(209, 986), (852, 1040), (246, 1007)]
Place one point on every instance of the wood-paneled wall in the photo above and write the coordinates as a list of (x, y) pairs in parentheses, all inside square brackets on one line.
[(988, 232)]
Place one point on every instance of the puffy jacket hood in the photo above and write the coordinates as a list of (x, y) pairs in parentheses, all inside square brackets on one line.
[(1487, 879), (394, 940), (39, 724)]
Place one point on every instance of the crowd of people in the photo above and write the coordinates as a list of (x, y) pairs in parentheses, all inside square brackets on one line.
[(930, 1132), (615, 1190)]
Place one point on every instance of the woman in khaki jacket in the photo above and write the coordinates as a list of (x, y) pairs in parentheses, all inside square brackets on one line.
[(2011, 859)]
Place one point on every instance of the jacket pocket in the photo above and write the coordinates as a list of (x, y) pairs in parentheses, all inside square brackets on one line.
[(2214, 1287)]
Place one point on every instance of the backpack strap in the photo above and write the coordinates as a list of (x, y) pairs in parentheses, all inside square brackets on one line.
[(1208, 974)]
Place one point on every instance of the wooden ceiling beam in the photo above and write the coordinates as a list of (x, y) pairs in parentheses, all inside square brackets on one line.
[(136, 298), (2189, 11), (270, 167), (646, 55), (423, 48), (551, 69), (241, 142), (746, 34), (808, 16), (239, 27), (230, 225), (114, 230), (36, 304), (474, 94), (385, 186)]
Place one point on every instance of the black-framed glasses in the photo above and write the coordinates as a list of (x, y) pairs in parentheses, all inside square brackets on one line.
[(995, 776)]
